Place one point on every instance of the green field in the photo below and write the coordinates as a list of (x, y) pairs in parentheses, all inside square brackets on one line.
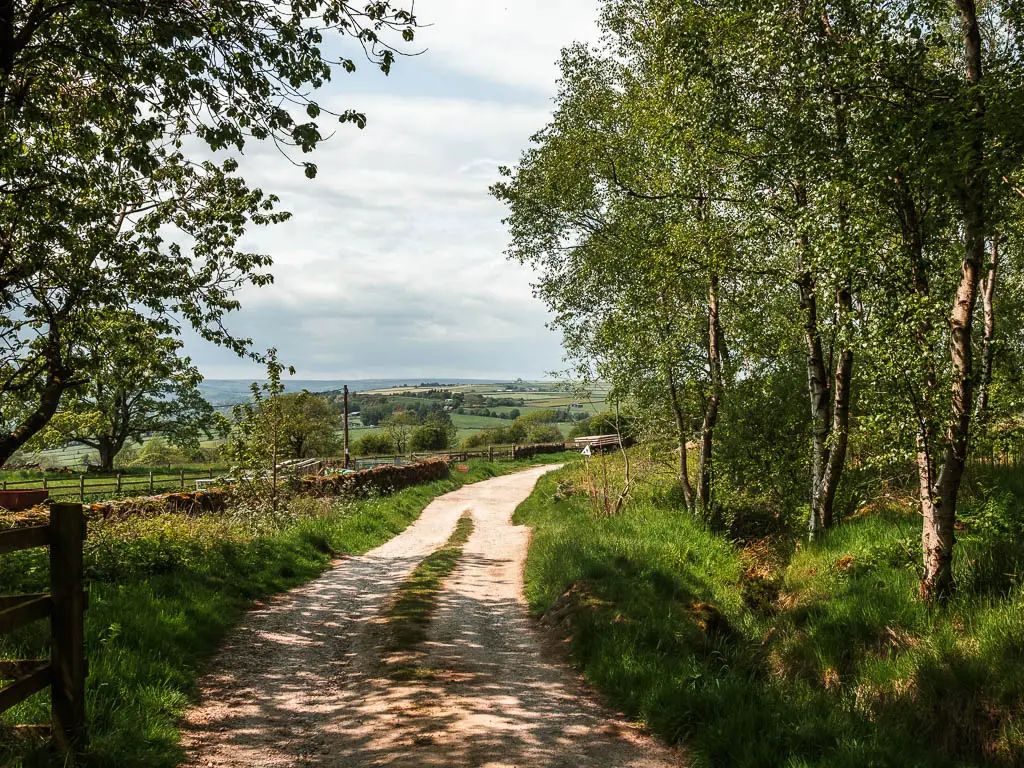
[(547, 396), (86, 487)]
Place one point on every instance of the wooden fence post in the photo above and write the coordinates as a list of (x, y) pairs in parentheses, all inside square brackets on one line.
[(181, 478), (67, 625), (81, 487), (150, 482), (490, 453), (210, 474), (346, 426)]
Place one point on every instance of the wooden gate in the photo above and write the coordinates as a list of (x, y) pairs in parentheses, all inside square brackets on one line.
[(64, 672)]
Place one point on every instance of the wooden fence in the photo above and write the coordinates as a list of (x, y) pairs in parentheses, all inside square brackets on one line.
[(64, 672), (491, 453), (84, 485)]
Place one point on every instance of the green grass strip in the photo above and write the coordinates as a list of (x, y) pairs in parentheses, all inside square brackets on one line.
[(416, 600)]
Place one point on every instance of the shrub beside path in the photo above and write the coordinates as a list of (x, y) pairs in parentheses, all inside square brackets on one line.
[(304, 681)]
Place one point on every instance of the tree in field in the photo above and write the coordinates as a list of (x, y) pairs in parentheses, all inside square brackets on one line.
[(398, 427), (436, 433), (109, 112), (374, 444), (137, 386), (258, 440), (310, 425), (158, 453)]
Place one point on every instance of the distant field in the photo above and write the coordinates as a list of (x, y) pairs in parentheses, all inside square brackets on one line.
[(467, 421), (553, 396), (78, 456)]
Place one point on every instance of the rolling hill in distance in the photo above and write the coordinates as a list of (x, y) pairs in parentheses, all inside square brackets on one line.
[(231, 391)]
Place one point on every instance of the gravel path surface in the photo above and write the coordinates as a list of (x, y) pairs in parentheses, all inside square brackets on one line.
[(305, 680)]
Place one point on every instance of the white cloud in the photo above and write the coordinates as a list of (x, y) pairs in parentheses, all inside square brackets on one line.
[(393, 263), (514, 42)]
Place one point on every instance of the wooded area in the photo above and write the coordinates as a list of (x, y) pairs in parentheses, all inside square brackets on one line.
[(790, 234)]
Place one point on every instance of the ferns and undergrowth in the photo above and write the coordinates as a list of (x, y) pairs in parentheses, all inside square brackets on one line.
[(750, 647)]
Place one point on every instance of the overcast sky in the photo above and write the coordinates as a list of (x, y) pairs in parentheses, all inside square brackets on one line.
[(393, 264)]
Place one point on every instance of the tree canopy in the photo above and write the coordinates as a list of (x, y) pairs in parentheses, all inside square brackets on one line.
[(729, 193), (118, 185)]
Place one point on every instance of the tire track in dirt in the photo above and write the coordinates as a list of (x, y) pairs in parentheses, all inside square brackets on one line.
[(304, 681)]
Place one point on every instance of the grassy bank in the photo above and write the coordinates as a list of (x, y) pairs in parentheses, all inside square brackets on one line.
[(164, 591), (783, 655)]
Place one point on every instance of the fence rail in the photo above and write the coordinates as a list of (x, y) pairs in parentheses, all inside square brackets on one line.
[(64, 672), (82, 485), (491, 453)]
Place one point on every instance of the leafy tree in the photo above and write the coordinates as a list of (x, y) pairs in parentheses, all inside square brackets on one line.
[(101, 104), (398, 427), (138, 386), (258, 437), (538, 434), (371, 416), (485, 437), (436, 433), (310, 425), (722, 185), (158, 453), (374, 444)]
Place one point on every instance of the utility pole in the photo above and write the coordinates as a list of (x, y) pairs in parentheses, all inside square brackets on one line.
[(346, 426)]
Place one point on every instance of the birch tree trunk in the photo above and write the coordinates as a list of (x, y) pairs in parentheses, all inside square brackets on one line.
[(683, 434), (988, 296), (711, 404), (939, 516)]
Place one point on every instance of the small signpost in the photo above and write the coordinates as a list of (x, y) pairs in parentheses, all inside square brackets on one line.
[(462, 468), (586, 451)]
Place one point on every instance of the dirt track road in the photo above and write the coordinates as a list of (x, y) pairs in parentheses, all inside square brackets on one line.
[(303, 682)]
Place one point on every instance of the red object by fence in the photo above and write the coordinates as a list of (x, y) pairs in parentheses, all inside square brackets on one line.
[(462, 468)]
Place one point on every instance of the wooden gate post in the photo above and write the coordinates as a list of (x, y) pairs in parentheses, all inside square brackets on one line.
[(67, 625), (490, 453)]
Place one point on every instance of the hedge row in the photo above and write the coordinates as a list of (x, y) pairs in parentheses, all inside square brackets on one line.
[(383, 479), (529, 451)]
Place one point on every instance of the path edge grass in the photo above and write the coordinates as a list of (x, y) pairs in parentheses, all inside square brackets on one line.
[(159, 611)]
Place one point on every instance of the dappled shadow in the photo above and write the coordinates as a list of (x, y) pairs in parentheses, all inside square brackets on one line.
[(488, 694), (307, 681), (279, 672)]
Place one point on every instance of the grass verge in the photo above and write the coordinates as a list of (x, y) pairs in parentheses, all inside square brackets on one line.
[(814, 656), (165, 590), (416, 601)]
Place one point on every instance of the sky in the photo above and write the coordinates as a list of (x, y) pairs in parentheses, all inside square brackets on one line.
[(393, 264)]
